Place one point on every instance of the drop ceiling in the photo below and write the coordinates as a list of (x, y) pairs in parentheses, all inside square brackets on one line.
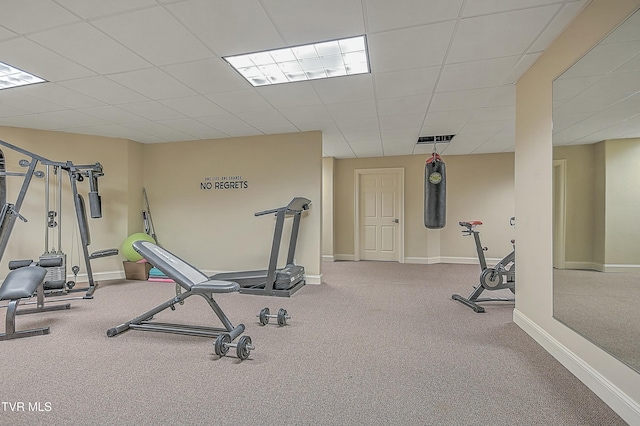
[(152, 71)]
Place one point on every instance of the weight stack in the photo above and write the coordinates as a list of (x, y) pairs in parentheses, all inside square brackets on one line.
[(56, 276)]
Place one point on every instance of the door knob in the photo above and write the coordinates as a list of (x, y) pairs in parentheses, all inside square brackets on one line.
[(396, 220)]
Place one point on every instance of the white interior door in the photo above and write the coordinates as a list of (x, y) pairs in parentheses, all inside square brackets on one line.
[(379, 216)]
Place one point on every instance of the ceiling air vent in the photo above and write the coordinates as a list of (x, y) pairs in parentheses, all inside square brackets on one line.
[(435, 139)]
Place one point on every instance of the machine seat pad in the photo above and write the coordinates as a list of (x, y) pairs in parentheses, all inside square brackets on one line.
[(22, 282), (215, 286)]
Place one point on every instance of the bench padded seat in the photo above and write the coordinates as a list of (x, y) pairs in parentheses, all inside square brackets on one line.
[(215, 286), (22, 283)]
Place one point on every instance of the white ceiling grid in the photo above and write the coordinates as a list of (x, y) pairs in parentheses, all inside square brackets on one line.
[(152, 70)]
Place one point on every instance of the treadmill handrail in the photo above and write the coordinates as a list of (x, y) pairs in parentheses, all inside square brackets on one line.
[(297, 205)]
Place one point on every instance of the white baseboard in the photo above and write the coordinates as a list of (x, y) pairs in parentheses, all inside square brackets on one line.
[(620, 268), (328, 258), (422, 260), (615, 398), (344, 257)]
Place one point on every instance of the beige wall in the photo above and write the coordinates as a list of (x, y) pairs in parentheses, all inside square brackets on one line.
[(613, 381), (216, 230), (602, 199), (478, 187), (328, 164), (622, 203), (27, 239), (580, 181)]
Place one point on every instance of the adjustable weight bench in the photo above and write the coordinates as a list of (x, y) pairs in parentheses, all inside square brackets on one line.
[(194, 282), (20, 284)]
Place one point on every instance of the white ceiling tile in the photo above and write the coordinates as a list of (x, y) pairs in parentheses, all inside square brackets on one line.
[(302, 22), (305, 114), (35, 59), (403, 105), (446, 122), (357, 125), (240, 101), (110, 130), (631, 65), (5, 34), (622, 84), (228, 27), (345, 89), (568, 88), (402, 121), (223, 122), (503, 141), (155, 35), (15, 98), (11, 111), (57, 120), (367, 149), (603, 59), (383, 15), (408, 48), (153, 83), (193, 128), (629, 30), (207, 76), (290, 95), (367, 136), (194, 106), (159, 130), (352, 110), (60, 95), (502, 96), (261, 118), (242, 131), (277, 129), (151, 110), (499, 35), (337, 149), (557, 25), (89, 9), (113, 114), (329, 126), (486, 7), (460, 100), (407, 82), (103, 89), (91, 48), (27, 16), (494, 114), (523, 64), (474, 75)]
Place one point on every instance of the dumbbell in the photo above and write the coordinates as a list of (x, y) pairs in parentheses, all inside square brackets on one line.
[(243, 347), (282, 316)]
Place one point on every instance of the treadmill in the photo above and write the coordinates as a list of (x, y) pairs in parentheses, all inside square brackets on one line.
[(273, 281)]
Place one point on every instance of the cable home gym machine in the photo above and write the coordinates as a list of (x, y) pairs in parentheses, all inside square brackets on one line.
[(55, 280), (281, 282), (502, 276)]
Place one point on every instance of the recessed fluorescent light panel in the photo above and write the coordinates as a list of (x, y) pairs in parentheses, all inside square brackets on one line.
[(13, 77), (308, 62)]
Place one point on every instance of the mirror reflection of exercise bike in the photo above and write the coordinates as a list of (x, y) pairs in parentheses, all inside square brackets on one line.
[(501, 276)]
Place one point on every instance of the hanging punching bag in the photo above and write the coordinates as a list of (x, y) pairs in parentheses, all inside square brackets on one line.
[(435, 193)]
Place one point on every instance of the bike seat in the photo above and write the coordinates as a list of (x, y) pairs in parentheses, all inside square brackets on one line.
[(470, 223)]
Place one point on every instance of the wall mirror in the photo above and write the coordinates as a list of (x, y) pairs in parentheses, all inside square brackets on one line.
[(596, 151)]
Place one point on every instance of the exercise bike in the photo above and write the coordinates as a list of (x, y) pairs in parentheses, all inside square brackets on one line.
[(502, 276)]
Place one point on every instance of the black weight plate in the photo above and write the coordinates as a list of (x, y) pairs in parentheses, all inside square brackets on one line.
[(264, 316), (222, 344), (243, 350), (282, 317)]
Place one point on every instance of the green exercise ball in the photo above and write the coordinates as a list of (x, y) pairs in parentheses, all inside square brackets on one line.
[(127, 246)]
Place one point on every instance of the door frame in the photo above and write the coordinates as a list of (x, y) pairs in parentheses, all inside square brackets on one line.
[(399, 172), (560, 213)]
